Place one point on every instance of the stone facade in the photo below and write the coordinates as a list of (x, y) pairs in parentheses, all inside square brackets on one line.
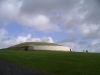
[(51, 48)]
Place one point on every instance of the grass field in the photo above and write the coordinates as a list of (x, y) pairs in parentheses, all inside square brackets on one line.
[(55, 63)]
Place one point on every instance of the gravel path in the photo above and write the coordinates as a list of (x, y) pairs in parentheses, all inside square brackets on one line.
[(11, 69)]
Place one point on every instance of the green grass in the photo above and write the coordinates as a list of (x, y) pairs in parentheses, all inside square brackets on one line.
[(55, 63)]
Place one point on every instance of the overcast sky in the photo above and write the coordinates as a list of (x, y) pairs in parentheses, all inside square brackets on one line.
[(72, 23)]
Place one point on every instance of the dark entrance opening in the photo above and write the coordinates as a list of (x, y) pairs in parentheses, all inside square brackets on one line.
[(26, 48), (70, 50)]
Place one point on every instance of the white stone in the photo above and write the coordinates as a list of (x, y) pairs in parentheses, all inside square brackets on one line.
[(52, 48)]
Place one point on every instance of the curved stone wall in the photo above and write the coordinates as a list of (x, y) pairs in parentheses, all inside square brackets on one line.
[(52, 48)]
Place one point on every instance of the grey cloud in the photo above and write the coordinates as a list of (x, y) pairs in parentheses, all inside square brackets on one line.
[(46, 39), (6, 42), (97, 44), (1, 1), (68, 39), (94, 47), (92, 35), (65, 8), (49, 8), (89, 9), (93, 11), (38, 6), (89, 13), (90, 31), (5, 39), (82, 42)]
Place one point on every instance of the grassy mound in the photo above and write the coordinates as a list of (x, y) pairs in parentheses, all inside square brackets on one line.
[(22, 45)]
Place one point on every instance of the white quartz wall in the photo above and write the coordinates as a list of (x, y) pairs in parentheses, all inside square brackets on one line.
[(52, 48)]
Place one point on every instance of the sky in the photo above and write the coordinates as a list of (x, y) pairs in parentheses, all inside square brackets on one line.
[(72, 23)]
